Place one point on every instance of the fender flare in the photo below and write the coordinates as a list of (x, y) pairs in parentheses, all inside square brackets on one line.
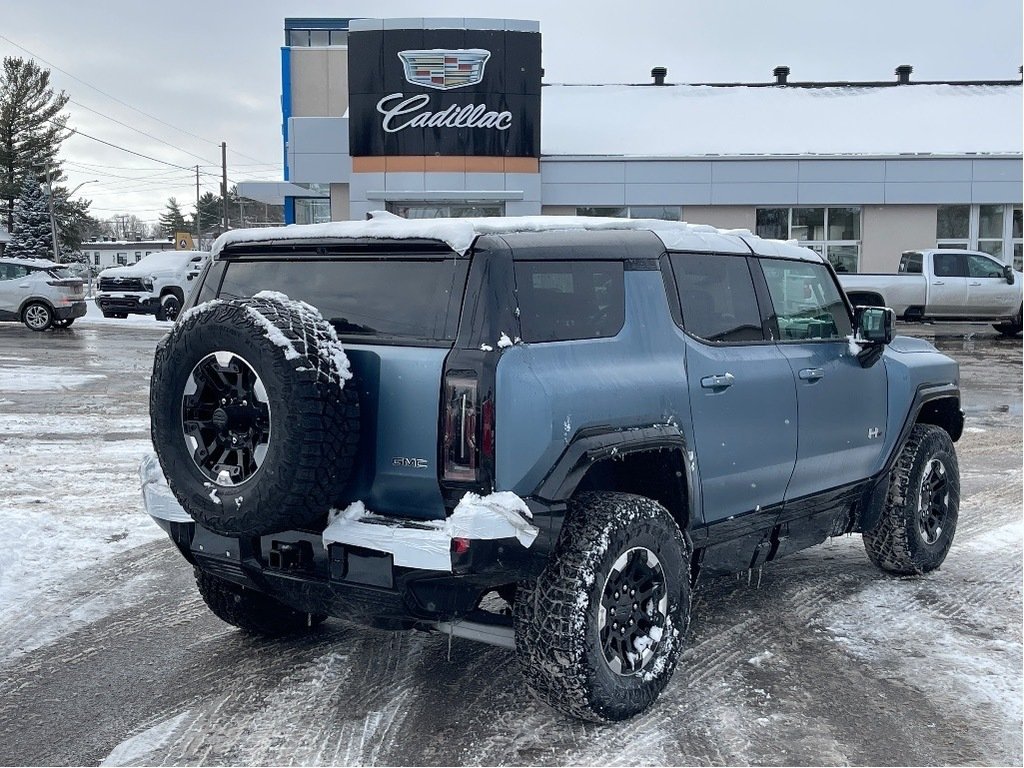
[(588, 447), (35, 300)]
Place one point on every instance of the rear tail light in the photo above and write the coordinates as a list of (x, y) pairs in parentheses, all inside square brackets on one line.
[(461, 449)]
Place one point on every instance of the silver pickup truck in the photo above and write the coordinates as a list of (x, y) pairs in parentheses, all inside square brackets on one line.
[(944, 284)]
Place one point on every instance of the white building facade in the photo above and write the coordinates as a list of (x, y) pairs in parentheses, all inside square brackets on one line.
[(449, 117)]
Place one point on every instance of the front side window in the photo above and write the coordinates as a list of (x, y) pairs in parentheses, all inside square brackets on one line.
[(807, 304), (716, 295), (561, 300), (979, 266)]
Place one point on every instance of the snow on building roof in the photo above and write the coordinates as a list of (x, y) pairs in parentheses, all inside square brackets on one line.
[(701, 120), (459, 234)]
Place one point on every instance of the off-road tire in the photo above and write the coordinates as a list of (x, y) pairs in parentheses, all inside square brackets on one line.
[(37, 316), (1013, 327), (170, 307), (252, 611), (558, 643), (897, 543), (314, 419)]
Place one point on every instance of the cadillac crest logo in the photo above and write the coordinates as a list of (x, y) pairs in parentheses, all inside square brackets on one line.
[(444, 69)]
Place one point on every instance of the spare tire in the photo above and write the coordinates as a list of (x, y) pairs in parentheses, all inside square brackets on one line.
[(251, 419)]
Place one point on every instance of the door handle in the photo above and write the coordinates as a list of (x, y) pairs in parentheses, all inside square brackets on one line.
[(938, 282), (974, 283), (812, 374), (720, 381)]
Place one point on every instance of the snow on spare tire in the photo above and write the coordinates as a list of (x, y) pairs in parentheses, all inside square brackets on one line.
[(251, 419)]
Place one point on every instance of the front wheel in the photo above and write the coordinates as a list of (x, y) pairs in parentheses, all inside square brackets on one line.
[(598, 633), (169, 309), (1012, 327), (37, 316), (915, 530)]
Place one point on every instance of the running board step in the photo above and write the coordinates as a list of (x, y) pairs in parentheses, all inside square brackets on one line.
[(492, 634)]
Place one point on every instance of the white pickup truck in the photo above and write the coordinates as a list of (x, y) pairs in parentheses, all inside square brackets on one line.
[(944, 284), (155, 285)]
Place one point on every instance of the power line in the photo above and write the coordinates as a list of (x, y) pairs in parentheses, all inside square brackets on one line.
[(76, 132), (137, 130), (121, 102)]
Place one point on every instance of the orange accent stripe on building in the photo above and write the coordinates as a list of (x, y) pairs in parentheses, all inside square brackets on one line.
[(445, 164)]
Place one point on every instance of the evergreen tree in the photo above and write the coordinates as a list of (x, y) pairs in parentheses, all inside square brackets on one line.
[(172, 220), (31, 129), (31, 236), (210, 212)]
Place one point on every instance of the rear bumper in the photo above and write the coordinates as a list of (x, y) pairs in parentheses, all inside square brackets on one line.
[(128, 303), (382, 574), (71, 311)]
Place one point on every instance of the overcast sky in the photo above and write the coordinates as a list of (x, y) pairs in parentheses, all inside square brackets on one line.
[(207, 72)]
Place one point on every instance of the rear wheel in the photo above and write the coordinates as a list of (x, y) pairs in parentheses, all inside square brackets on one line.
[(252, 611), (915, 530), (37, 316), (598, 633)]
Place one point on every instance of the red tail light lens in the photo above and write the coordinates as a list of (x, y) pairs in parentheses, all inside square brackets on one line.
[(461, 455)]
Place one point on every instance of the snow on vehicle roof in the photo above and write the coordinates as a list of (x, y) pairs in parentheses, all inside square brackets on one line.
[(703, 120), (459, 234), (36, 263)]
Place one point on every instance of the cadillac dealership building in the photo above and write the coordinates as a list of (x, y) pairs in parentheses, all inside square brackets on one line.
[(449, 117)]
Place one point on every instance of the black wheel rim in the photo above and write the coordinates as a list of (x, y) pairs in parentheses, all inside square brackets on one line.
[(171, 308), (633, 614), (933, 501), (226, 418)]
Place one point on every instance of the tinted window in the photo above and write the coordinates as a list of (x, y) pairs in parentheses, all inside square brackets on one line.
[(383, 298), (950, 265), (806, 301), (716, 294), (979, 266), (561, 300), (12, 271), (912, 263)]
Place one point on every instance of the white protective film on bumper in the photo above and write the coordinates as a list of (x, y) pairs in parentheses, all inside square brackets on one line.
[(156, 496)]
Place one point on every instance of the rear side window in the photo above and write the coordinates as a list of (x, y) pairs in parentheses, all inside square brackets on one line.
[(912, 263), (382, 299), (950, 265), (807, 302), (716, 294), (561, 300)]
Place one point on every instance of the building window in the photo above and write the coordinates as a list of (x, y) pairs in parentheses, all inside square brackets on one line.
[(446, 210), (122, 258), (96, 259), (994, 229), (662, 212), (305, 38), (138, 256), (1015, 237), (832, 232), (312, 210)]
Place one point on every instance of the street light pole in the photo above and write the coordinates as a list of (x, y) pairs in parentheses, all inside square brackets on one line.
[(53, 216)]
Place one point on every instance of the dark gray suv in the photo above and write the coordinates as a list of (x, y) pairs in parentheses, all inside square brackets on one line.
[(537, 432)]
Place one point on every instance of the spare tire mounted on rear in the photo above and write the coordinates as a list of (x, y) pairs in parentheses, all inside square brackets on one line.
[(252, 421)]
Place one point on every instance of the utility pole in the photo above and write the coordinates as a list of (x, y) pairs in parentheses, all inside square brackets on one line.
[(53, 218), (198, 227), (224, 181)]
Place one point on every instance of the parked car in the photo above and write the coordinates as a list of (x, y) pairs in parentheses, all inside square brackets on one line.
[(944, 284), (39, 293), (539, 433), (158, 285)]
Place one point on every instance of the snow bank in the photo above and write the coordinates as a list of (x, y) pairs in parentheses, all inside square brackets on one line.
[(427, 544)]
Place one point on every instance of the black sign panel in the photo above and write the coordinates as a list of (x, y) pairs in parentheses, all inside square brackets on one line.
[(444, 92)]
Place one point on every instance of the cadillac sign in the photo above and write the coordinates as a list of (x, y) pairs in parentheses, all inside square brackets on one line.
[(444, 92)]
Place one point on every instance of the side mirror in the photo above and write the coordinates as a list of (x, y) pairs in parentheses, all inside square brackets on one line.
[(1008, 274), (874, 324)]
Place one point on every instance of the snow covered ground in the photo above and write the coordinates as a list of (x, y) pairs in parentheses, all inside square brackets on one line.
[(107, 654)]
